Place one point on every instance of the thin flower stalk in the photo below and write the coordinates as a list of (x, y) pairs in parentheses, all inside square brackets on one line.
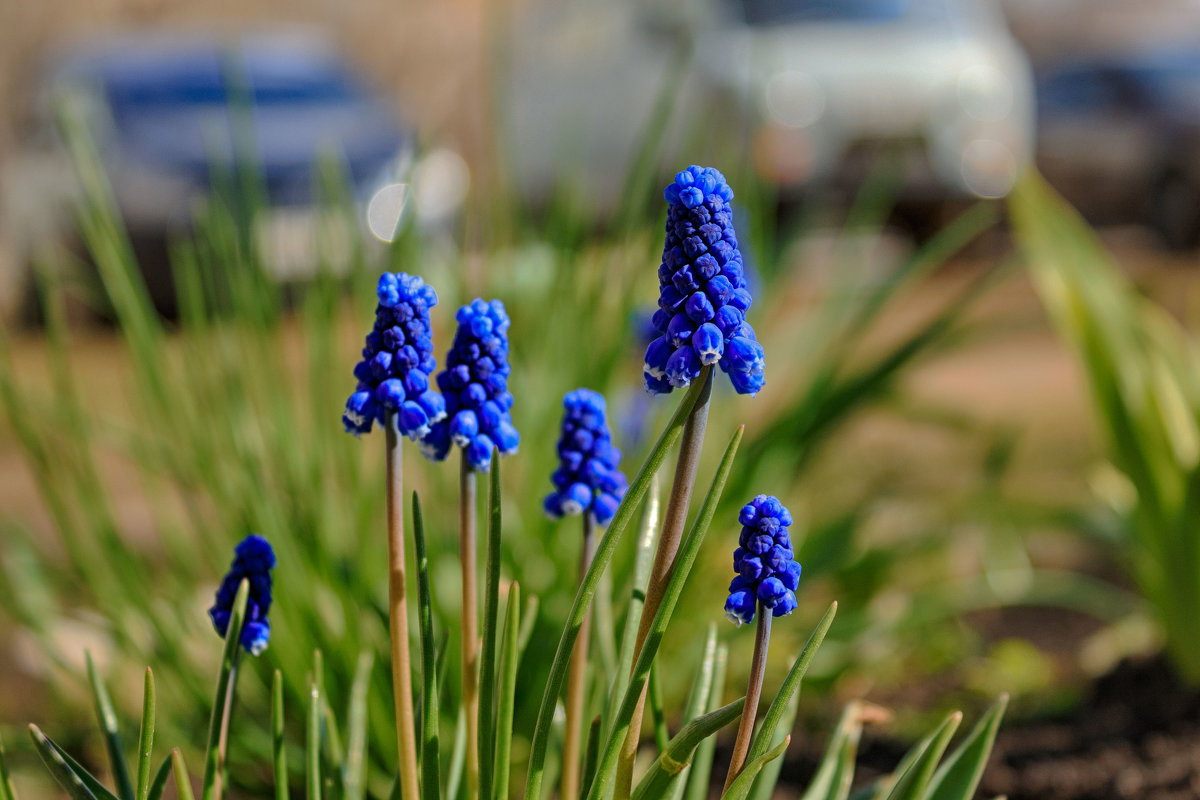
[(758, 668), (577, 682), (406, 739), (470, 619)]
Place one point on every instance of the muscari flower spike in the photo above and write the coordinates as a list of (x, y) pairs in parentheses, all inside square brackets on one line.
[(588, 479), (703, 297), (766, 570), (397, 361), (475, 386), (253, 558)]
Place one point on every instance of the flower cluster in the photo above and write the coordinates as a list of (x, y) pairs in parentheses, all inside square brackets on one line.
[(475, 386), (703, 298), (588, 478), (766, 571), (254, 559), (397, 361)]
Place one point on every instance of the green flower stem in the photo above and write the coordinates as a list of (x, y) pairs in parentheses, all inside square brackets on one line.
[(112, 732), (218, 727), (577, 679), (398, 617), (470, 622), (431, 713), (587, 589), (758, 668), (664, 560)]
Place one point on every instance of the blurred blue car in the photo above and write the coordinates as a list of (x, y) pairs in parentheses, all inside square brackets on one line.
[(170, 113), (1119, 136)]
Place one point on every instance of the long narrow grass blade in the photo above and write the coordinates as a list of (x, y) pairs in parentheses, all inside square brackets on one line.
[(658, 716), (697, 701), (644, 557), (667, 770), (146, 737), (183, 783), (510, 661), (7, 791), (528, 620), (587, 587), (92, 783), (744, 782), (684, 561), (790, 686), (112, 731), (701, 770), (218, 726), (764, 784), (312, 763), (591, 757), (912, 782), (431, 781), (66, 777), (487, 651), (959, 775), (159, 784), (355, 766), (836, 771), (458, 757), (278, 751)]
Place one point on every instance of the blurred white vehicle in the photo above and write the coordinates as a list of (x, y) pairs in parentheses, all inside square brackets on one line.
[(941, 83), (815, 87)]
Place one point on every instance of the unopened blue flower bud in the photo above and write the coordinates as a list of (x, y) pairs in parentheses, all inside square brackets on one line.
[(708, 343), (588, 479), (475, 385), (767, 573), (253, 560)]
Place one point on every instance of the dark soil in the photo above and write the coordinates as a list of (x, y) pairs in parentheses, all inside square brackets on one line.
[(1136, 736)]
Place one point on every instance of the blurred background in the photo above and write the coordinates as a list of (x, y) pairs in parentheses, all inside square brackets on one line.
[(196, 198)]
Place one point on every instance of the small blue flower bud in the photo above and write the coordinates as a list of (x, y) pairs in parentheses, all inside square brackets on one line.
[(785, 605), (360, 413), (479, 452), (657, 353), (412, 417), (390, 394), (578, 499), (739, 607), (464, 427), (683, 366), (699, 308), (708, 343)]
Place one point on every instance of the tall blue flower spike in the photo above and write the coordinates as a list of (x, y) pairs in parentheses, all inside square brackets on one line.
[(588, 479), (766, 570), (702, 292), (397, 361), (253, 558), (475, 386)]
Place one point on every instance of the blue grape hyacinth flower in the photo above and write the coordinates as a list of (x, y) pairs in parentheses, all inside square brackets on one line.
[(253, 559), (475, 386), (767, 572), (703, 297), (588, 479), (393, 376)]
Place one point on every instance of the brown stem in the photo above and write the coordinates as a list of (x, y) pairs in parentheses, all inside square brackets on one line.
[(573, 733), (664, 562), (398, 617), (470, 621), (758, 667)]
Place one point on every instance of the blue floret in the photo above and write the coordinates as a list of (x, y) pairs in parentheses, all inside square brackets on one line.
[(767, 573), (703, 295), (588, 479)]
